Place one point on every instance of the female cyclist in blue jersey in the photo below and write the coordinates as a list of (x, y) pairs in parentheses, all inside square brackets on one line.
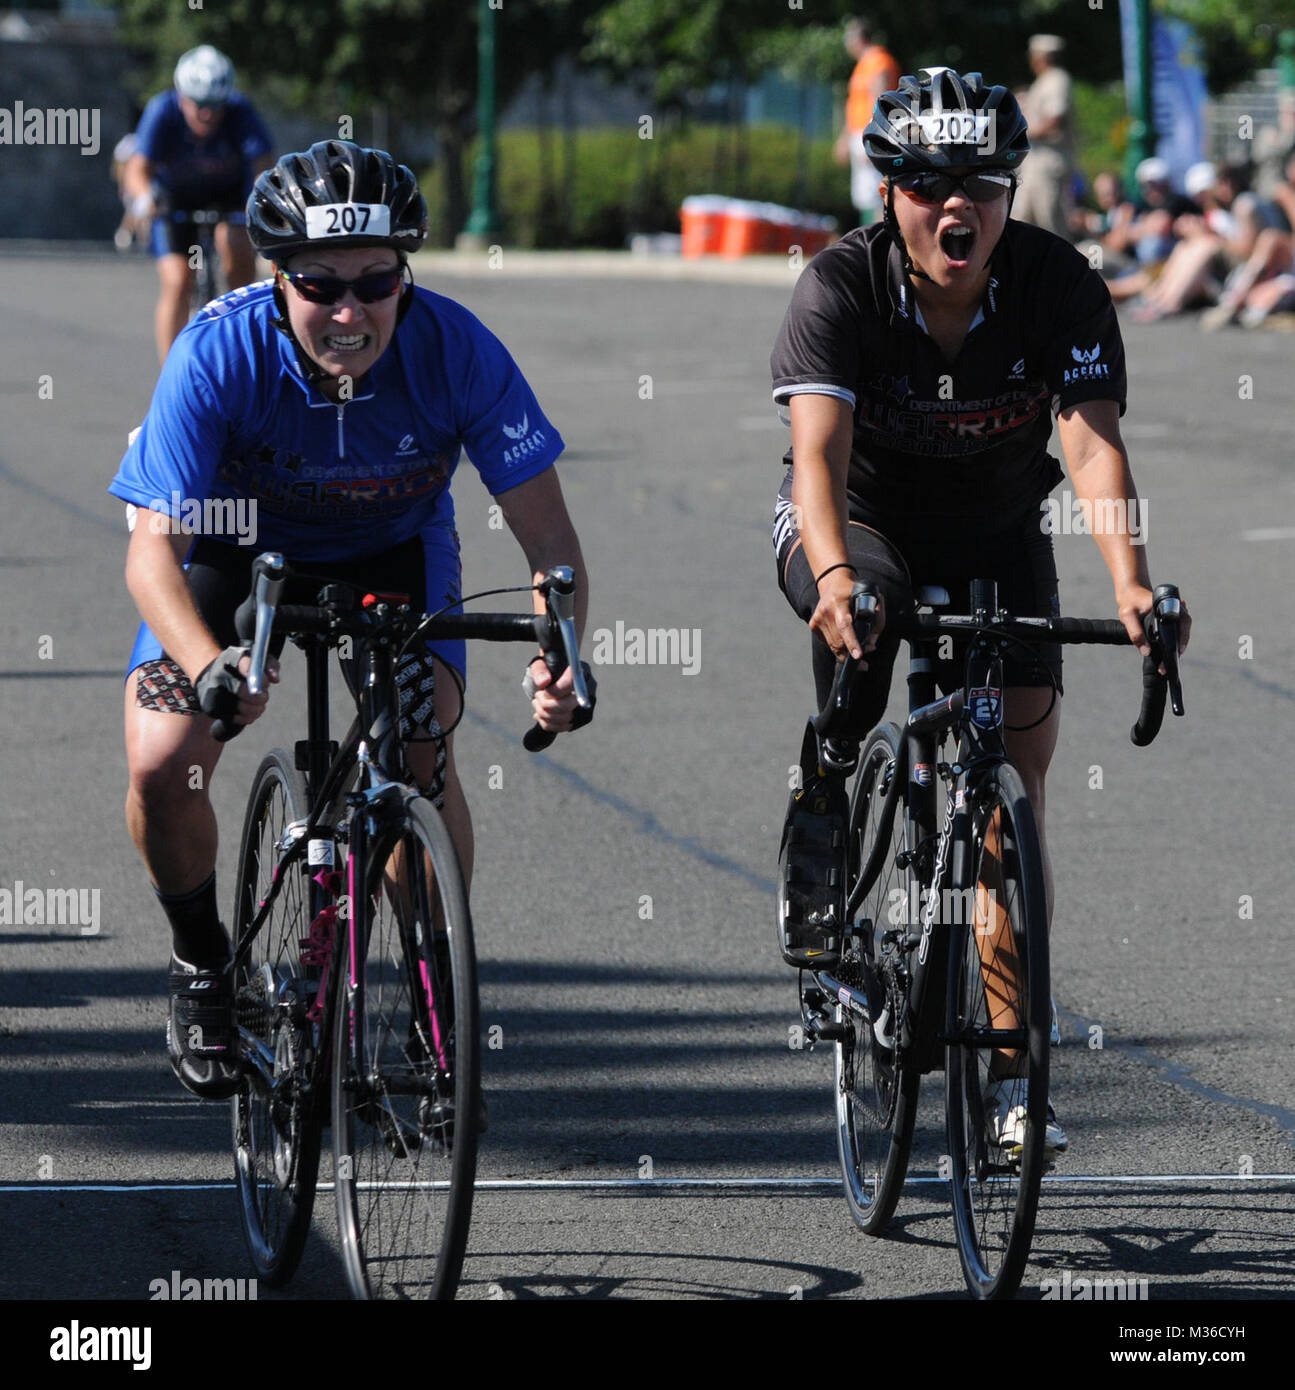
[(922, 361), (199, 145), (323, 413)]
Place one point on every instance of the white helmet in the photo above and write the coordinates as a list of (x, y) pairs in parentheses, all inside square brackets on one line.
[(204, 75)]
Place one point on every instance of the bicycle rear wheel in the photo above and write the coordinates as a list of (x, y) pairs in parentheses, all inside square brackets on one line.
[(876, 1088), (998, 981), (277, 1116), (406, 1085)]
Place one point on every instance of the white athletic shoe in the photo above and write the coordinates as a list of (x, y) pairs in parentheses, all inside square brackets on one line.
[(1005, 1107), (1055, 1039)]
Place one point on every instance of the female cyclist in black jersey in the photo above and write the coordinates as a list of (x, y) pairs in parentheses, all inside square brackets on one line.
[(921, 362)]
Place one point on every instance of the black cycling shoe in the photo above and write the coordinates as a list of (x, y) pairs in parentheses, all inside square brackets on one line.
[(204, 1061), (812, 873)]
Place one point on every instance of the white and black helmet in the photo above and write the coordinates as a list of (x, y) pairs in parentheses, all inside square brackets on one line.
[(204, 75)]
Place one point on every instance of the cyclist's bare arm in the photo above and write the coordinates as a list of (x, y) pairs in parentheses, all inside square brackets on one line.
[(1100, 473), (822, 431), (137, 178), (536, 513), (156, 581)]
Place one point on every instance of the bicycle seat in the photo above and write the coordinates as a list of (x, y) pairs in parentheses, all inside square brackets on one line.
[(932, 596)]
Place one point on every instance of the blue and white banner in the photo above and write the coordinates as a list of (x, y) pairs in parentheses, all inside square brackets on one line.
[(1177, 86)]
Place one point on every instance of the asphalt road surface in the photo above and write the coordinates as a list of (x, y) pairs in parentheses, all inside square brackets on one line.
[(625, 881)]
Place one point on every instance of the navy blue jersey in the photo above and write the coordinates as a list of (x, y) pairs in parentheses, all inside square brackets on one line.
[(195, 172)]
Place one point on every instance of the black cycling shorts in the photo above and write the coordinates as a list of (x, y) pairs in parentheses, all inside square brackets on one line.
[(1019, 559)]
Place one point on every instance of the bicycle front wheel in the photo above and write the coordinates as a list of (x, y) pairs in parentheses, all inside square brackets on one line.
[(276, 1114), (876, 1087), (406, 1083), (996, 1074)]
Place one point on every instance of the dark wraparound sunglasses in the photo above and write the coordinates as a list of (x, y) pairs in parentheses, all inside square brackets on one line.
[(935, 188), (327, 289)]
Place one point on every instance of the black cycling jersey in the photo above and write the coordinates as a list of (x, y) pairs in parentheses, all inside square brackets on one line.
[(939, 445)]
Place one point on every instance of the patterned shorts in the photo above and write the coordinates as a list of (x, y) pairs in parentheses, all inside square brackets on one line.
[(162, 686)]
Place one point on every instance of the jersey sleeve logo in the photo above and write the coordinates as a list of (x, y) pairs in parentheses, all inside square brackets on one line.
[(1089, 368), (519, 431)]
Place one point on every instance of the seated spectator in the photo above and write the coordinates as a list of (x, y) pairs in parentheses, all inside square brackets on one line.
[(1265, 284), (1103, 227), (1210, 245), (1149, 234)]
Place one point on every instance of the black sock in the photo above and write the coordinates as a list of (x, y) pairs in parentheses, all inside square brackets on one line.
[(197, 938)]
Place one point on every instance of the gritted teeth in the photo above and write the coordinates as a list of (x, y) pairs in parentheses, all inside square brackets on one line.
[(348, 342)]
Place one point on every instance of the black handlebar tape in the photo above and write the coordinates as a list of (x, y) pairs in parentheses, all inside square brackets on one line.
[(535, 739), (836, 710), (1154, 689)]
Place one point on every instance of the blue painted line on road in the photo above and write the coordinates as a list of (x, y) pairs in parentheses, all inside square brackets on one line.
[(1178, 1075), (65, 504), (644, 821)]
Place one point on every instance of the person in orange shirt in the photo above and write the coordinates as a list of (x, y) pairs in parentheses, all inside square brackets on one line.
[(875, 71)]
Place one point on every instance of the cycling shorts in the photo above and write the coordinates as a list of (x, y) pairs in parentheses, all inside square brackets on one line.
[(1019, 559), (426, 568), (174, 235)]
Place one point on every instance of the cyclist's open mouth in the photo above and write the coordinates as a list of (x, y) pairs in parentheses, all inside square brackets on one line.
[(956, 242), (349, 342)]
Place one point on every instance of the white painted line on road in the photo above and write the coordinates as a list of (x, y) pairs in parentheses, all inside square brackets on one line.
[(670, 1184), (1270, 533)]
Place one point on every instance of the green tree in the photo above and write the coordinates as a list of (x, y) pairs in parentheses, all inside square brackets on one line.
[(334, 58)]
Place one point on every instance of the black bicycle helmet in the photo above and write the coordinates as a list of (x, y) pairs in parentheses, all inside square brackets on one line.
[(332, 195), (939, 120), (924, 125)]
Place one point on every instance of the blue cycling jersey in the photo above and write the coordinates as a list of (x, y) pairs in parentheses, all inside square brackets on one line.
[(196, 172), (237, 443)]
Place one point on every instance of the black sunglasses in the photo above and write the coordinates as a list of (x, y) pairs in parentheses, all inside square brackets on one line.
[(327, 289), (935, 187)]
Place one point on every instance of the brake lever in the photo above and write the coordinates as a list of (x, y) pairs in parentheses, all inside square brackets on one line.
[(1168, 612), (269, 571), (561, 594)]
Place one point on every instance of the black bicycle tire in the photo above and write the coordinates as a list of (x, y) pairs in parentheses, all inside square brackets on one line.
[(872, 1214), (423, 821), (1003, 785), (275, 1255)]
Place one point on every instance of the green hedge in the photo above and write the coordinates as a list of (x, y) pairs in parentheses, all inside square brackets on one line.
[(620, 184)]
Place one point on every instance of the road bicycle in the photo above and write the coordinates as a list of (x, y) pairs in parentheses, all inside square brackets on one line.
[(355, 970), (936, 951)]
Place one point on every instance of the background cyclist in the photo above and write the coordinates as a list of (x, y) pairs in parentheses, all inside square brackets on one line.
[(199, 145), (344, 396), (920, 359)]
